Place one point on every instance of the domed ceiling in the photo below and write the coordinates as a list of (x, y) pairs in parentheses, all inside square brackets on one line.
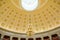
[(14, 18)]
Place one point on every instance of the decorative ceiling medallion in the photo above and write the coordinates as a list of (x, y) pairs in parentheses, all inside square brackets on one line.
[(29, 5)]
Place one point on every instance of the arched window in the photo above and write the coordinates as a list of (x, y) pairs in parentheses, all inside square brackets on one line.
[(0, 36), (46, 38), (30, 39), (55, 37), (14, 38), (6, 37), (38, 38), (23, 39)]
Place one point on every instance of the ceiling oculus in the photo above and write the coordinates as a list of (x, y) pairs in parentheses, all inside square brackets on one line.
[(29, 5)]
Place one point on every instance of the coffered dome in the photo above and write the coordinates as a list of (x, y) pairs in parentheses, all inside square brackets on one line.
[(44, 18)]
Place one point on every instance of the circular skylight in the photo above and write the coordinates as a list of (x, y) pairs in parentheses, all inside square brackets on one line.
[(29, 5)]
